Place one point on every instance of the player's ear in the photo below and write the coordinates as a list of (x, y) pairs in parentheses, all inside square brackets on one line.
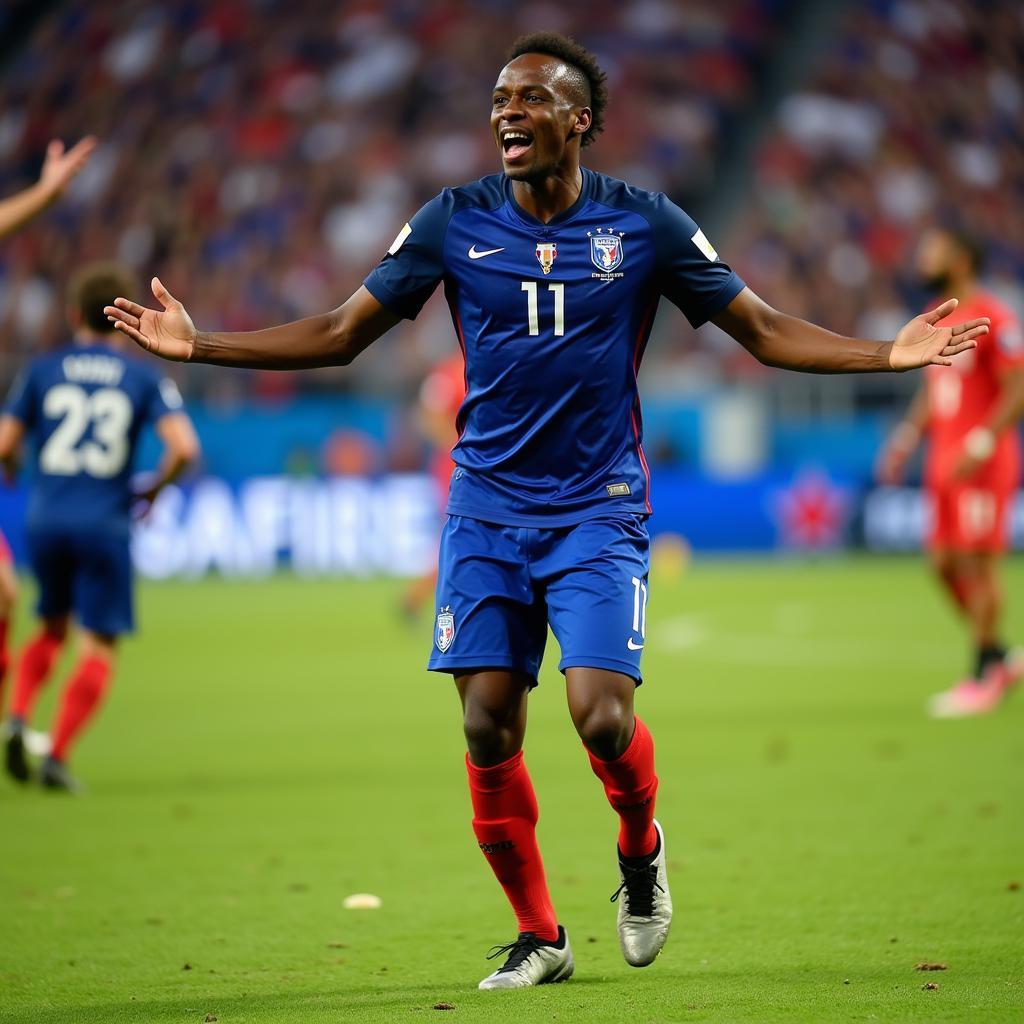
[(584, 118)]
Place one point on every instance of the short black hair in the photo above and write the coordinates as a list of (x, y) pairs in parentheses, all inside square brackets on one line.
[(95, 286), (593, 83)]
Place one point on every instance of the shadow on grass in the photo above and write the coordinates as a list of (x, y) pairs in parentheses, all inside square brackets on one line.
[(363, 1003)]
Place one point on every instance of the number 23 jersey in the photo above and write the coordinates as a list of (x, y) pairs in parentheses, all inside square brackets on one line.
[(84, 407), (552, 319)]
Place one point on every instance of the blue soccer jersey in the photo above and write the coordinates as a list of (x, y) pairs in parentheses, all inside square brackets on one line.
[(84, 408), (552, 319)]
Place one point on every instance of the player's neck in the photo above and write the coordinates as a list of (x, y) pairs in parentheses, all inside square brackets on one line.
[(85, 337), (552, 195)]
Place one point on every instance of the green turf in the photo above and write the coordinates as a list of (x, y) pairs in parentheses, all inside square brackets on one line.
[(272, 747)]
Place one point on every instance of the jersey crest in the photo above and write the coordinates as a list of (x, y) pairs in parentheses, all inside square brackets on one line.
[(606, 252), (546, 253), (445, 629)]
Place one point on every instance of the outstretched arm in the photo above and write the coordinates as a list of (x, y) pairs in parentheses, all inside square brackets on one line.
[(777, 339), (58, 170), (328, 339)]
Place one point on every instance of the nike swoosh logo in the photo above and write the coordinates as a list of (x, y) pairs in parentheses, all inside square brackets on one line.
[(474, 254), (634, 646)]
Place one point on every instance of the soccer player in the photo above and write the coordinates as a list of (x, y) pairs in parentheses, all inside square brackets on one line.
[(553, 274), (968, 412), (59, 168), (84, 406), (437, 408)]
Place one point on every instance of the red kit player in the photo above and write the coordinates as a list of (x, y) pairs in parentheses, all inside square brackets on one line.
[(968, 411)]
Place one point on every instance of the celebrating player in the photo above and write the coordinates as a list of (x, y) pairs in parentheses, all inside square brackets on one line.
[(84, 406), (59, 168), (968, 412), (553, 274)]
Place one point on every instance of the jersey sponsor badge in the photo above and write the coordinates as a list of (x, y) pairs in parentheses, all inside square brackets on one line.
[(618, 490), (546, 252), (445, 629), (700, 240), (606, 251)]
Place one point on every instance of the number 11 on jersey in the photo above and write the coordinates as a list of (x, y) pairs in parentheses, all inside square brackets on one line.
[(530, 287)]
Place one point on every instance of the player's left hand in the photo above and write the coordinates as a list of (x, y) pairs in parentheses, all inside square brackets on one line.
[(922, 342)]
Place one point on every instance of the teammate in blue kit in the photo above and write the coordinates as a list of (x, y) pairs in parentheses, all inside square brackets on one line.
[(553, 274), (83, 407)]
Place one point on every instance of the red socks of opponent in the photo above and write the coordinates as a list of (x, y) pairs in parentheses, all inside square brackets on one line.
[(79, 702), (81, 697), (505, 821), (34, 667), (631, 785)]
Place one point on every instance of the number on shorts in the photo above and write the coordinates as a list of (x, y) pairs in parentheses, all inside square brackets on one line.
[(640, 607), (110, 413)]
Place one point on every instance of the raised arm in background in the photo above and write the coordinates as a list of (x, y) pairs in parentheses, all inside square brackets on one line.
[(58, 170)]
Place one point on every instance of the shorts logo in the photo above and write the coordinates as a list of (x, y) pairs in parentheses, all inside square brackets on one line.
[(546, 252), (445, 629)]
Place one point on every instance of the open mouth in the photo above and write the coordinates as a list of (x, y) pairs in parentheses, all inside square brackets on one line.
[(515, 143)]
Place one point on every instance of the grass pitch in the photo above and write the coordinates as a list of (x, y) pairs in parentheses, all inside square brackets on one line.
[(270, 748)]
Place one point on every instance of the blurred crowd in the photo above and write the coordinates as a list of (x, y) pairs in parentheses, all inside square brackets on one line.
[(913, 115), (261, 155)]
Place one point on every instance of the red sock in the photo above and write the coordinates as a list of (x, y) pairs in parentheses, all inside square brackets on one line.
[(505, 821), (631, 785), (81, 698), (34, 666)]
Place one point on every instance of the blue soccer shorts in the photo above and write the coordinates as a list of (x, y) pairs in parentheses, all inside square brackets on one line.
[(499, 587), (87, 573)]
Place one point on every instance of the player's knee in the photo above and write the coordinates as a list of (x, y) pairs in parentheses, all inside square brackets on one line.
[(605, 727), (492, 736)]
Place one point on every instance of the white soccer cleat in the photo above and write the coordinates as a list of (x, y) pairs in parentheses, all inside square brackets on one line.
[(532, 962), (645, 907)]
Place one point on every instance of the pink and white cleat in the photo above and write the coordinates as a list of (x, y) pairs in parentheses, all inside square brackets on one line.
[(979, 696)]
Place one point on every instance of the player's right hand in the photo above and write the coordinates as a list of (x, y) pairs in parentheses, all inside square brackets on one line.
[(170, 334)]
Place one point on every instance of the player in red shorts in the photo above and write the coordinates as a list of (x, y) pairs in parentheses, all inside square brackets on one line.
[(59, 168), (968, 411), (441, 396)]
